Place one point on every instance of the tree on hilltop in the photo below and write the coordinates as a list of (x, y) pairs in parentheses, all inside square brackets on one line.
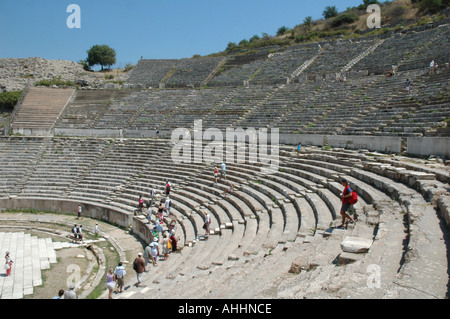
[(101, 55), (330, 12)]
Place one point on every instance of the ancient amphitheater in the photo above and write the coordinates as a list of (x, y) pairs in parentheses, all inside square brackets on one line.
[(275, 235)]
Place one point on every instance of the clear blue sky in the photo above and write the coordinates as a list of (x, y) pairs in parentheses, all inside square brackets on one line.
[(166, 29)]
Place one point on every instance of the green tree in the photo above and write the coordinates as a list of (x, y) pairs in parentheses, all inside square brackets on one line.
[(367, 3), (9, 99), (432, 6), (101, 55), (282, 31), (330, 12), (308, 22)]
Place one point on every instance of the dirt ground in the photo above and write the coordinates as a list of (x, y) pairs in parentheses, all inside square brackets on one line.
[(61, 273)]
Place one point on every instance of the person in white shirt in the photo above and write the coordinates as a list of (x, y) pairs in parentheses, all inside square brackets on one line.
[(96, 231), (120, 273), (207, 224), (168, 204), (432, 67)]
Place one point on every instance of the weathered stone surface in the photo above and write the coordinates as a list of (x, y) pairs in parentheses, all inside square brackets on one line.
[(444, 208), (356, 245), (348, 258)]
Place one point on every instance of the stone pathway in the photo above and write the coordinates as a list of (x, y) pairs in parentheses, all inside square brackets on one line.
[(30, 255)]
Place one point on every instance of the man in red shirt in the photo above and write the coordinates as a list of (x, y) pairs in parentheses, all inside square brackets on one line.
[(346, 196)]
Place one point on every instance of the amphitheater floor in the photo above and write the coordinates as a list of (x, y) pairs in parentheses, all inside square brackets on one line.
[(45, 261)]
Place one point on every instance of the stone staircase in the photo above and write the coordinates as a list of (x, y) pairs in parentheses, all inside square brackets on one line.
[(361, 56), (39, 111), (30, 255)]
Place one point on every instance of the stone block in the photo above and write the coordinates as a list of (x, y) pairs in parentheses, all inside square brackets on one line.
[(348, 258), (356, 245)]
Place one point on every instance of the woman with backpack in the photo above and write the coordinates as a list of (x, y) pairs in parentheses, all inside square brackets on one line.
[(348, 198)]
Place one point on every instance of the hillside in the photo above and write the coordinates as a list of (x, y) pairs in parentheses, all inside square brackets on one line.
[(16, 74), (396, 16)]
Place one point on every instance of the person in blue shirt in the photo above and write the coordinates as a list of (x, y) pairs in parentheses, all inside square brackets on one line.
[(60, 295), (223, 173)]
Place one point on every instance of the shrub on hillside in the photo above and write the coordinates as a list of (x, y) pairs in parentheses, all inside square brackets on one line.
[(9, 99), (330, 12), (345, 18), (431, 6), (55, 81)]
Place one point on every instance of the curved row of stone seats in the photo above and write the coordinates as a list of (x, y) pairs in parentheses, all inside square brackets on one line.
[(235, 107), (396, 49), (280, 65), (17, 156), (398, 243), (87, 107), (243, 210), (435, 49), (59, 165), (199, 104), (173, 73), (390, 234), (192, 72), (150, 72), (239, 68), (119, 113), (308, 171), (275, 65), (333, 56), (328, 109), (121, 161)]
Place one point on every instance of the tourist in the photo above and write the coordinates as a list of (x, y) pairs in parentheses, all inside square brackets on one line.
[(229, 190), (75, 233), (60, 294), (166, 245), (8, 263), (155, 251), (224, 173), (80, 233), (207, 224), (120, 273), (168, 204), (346, 195), (70, 294), (79, 211), (432, 67), (408, 85), (96, 231), (216, 174), (299, 147), (168, 188), (147, 254), (110, 282), (139, 267), (152, 197), (172, 236), (161, 209), (141, 204), (149, 215), (155, 232)]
